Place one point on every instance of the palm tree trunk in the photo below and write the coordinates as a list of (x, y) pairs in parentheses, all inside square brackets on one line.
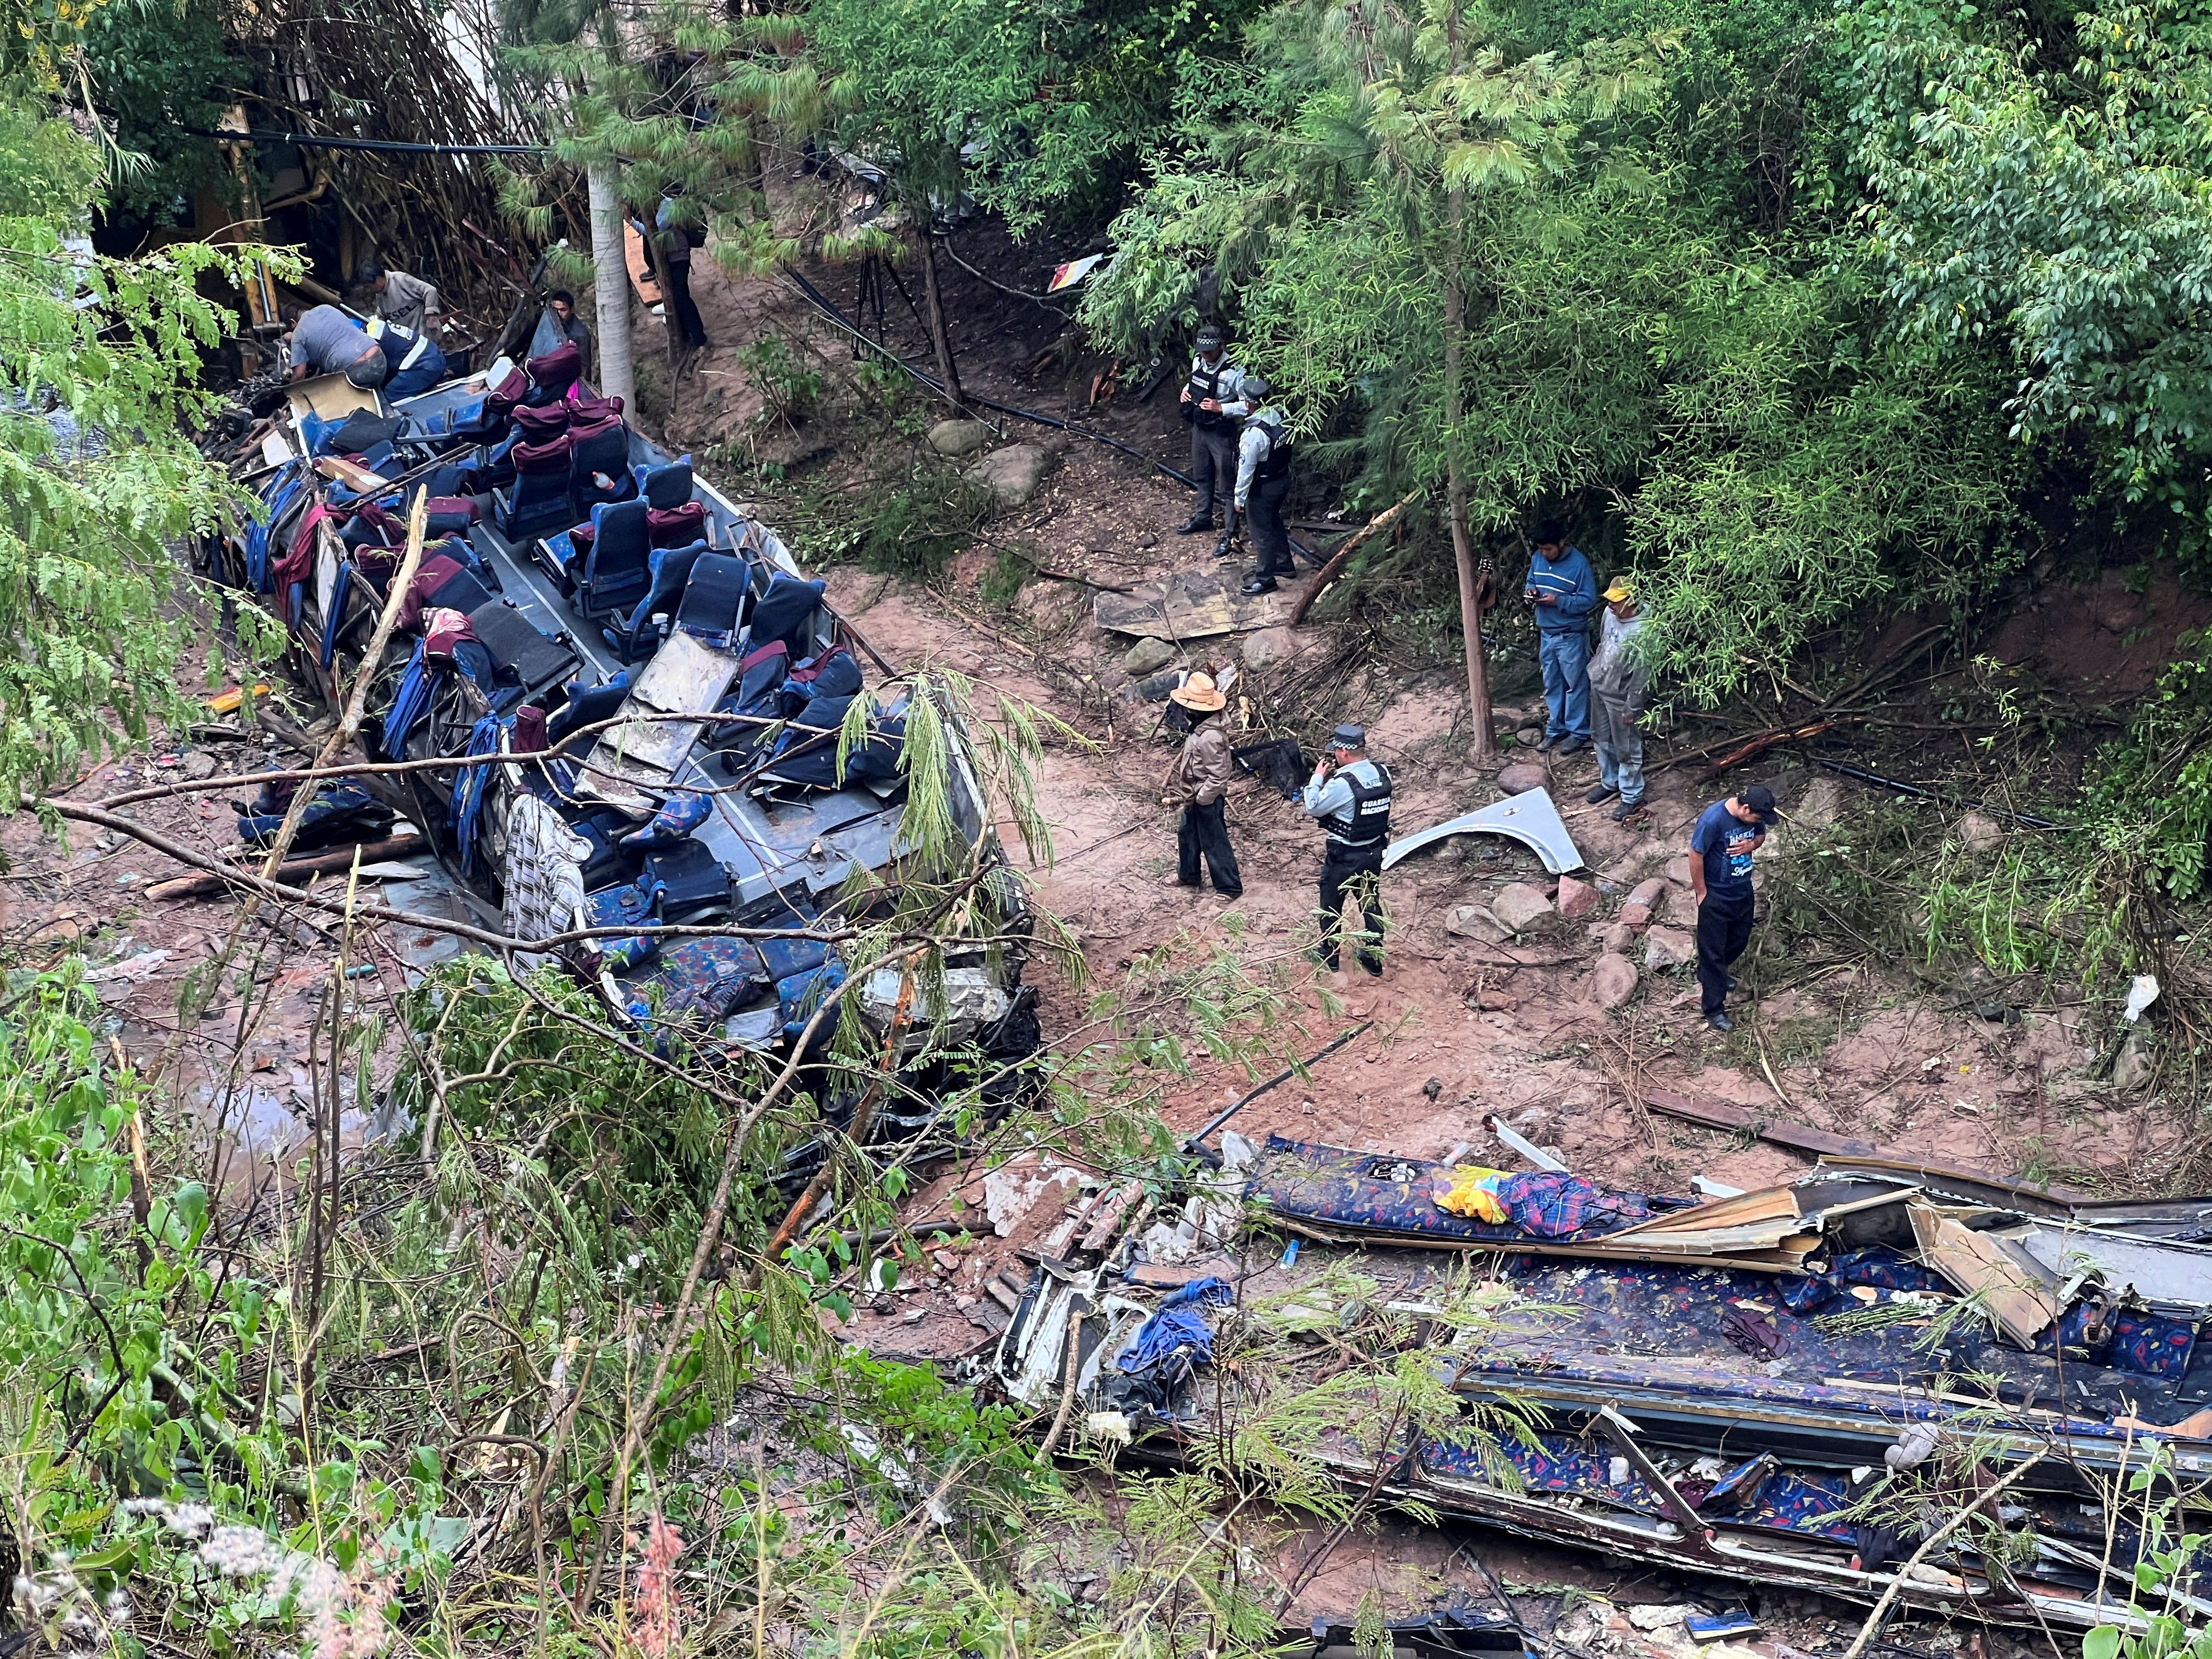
[(1471, 581)]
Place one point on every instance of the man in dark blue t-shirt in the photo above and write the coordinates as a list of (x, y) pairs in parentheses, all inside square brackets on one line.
[(1728, 833)]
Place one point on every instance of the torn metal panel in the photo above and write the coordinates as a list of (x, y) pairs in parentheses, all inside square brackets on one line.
[(2169, 1273), (1529, 817), (1193, 604)]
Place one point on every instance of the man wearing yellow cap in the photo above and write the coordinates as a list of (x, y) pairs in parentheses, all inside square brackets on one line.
[(1199, 785), (1620, 680)]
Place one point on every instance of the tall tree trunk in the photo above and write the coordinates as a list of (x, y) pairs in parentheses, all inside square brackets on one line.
[(659, 255), (611, 284), (940, 341), (1471, 583)]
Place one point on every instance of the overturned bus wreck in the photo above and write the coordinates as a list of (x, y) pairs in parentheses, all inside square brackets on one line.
[(1914, 1386), (663, 689)]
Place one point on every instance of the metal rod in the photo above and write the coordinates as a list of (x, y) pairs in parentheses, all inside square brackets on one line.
[(1283, 1076)]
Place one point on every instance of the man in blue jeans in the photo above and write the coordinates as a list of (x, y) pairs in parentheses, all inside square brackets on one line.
[(1564, 590), (1728, 833)]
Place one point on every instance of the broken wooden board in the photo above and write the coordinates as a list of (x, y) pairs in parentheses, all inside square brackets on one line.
[(331, 396), (685, 677), (1980, 1265), (1195, 605), (1842, 1153)]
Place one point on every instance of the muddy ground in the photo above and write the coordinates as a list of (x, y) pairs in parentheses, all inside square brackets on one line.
[(1462, 1025)]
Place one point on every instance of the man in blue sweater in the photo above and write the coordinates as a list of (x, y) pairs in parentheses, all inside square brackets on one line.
[(1564, 590)]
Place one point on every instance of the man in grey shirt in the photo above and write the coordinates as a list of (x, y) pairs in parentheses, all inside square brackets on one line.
[(325, 341), (410, 302)]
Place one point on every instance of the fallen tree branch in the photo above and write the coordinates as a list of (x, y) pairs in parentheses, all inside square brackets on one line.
[(293, 870), (1330, 571), (1881, 1607)]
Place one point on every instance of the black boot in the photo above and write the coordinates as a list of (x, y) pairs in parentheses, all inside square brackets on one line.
[(1193, 525)]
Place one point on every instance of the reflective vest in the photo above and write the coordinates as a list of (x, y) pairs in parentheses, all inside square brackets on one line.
[(1364, 824), (389, 335), (1276, 463), (1218, 383)]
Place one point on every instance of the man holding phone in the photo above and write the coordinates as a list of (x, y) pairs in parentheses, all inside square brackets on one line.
[(1563, 589), (1727, 834)]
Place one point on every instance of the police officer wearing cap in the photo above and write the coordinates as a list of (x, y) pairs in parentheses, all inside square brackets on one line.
[(1212, 382), (1351, 796), (1263, 479)]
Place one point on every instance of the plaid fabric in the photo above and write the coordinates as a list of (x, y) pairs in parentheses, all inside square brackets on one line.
[(542, 879), (1550, 1205)]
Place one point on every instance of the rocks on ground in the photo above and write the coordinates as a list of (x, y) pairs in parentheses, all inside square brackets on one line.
[(1644, 903), (1013, 474), (1473, 921), (1669, 947), (1265, 648), (1576, 899), (1977, 832), (1522, 776), (1147, 657), (1613, 980), (1520, 906), (956, 438)]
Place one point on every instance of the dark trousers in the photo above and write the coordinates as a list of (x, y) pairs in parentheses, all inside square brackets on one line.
[(1213, 466), (1270, 536), (1206, 830), (679, 296), (1724, 929), (1357, 876)]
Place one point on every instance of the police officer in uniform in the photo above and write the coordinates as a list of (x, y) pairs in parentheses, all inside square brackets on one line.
[(1213, 381), (1351, 796), (1263, 479), (416, 362)]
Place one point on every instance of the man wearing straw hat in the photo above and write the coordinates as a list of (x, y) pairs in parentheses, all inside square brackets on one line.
[(1199, 785)]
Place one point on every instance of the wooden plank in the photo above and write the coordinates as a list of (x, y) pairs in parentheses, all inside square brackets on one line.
[(1108, 1217), (1718, 1115), (1846, 1152), (1980, 1266), (1195, 605), (1766, 1204)]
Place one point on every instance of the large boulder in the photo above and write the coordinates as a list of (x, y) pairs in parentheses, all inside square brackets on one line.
[(1264, 647), (1576, 899), (1522, 776), (1822, 805), (1977, 832), (1613, 980), (1520, 906), (953, 438), (1644, 903), (1013, 474), (1669, 947), (1147, 657), (1473, 921)]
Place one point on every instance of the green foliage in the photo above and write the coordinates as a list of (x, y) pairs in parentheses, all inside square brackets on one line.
[(100, 372), (77, 1312), (907, 525), (788, 389), (162, 67), (2049, 194), (1642, 341)]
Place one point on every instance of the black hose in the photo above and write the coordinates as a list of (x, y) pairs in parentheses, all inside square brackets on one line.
[(828, 308)]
